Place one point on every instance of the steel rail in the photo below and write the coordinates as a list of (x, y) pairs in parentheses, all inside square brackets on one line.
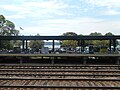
[(72, 79), (57, 70), (4, 64), (15, 74), (61, 65), (78, 87)]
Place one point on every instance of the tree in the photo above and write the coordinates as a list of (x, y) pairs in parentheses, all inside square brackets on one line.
[(69, 43), (107, 41), (35, 45), (7, 28), (109, 34), (69, 34), (2, 20), (100, 42), (95, 42), (95, 34)]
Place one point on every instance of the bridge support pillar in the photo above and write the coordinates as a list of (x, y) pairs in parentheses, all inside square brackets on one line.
[(0, 44), (23, 45), (21, 61), (53, 46), (118, 61), (26, 46), (52, 61), (110, 45), (83, 45), (114, 45), (84, 60)]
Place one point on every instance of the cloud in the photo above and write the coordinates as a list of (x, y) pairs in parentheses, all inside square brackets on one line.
[(36, 9), (111, 12), (104, 3), (76, 20), (83, 28), (11, 7), (104, 7), (55, 17), (52, 4), (108, 26), (83, 25), (59, 26), (15, 17)]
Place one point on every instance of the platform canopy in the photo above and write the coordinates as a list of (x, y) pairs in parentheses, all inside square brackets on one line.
[(59, 37)]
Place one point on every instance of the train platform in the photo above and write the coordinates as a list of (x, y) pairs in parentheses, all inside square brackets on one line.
[(60, 55), (61, 58)]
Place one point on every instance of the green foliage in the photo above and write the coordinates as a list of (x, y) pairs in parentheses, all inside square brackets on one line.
[(6, 45), (94, 42), (7, 28), (100, 42), (36, 44), (10, 24), (95, 34), (73, 43), (2, 20), (103, 50), (109, 34), (69, 43), (69, 34)]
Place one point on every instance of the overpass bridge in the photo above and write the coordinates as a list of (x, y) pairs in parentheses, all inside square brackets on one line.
[(24, 39)]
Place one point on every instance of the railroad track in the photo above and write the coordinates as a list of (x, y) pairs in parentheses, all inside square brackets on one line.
[(59, 73), (63, 77), (41, 73), (60, 83), (56, 71), (49, 66)]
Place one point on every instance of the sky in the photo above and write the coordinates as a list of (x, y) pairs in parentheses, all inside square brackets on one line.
[(55, 17)]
